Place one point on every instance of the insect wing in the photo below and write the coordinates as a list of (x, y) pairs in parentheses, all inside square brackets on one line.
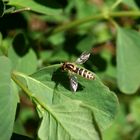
[(83, 58), (73, 83)]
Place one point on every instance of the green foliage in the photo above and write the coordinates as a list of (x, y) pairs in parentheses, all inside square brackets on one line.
[(128, 60), (26, 64), (135, 109), (36, 37), (49, 7), (8, 99), (68, 113)]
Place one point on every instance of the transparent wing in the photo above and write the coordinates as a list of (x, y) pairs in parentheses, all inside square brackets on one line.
[(83, 58), (73, 83)]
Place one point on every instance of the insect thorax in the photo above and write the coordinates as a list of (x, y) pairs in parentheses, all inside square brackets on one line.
[(69, 66)]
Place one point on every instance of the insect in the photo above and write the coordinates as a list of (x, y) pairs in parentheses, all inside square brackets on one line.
[(72, 69)]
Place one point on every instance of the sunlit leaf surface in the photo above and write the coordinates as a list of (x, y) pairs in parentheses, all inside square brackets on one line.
[(128, 59), (26, 64), (68, 115), (8, 99)]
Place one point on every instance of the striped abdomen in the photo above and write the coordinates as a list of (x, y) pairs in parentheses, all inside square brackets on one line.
[(80, 71), (84, 73)]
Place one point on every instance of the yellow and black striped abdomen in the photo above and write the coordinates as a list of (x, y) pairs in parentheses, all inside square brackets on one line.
[(80, 71), (85, 73)]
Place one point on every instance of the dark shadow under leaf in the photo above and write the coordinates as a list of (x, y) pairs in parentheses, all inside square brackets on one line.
[(19, 137)]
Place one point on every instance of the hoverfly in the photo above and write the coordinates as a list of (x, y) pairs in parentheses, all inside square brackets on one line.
[(72, 68)]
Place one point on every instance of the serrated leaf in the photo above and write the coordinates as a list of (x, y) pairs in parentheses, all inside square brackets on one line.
[(66, 114), (8, 99), (48, 7), (128, 58), (26, 64)]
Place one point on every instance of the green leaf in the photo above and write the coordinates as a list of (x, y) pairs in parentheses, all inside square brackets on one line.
[(134, 108), (128, 58), (54, 56), (26, 64), (114, 132), (70, 120), (5, 43), (65, 114), (57, 39), (8, 99), (86, 43), (84, 8), (48, 7)]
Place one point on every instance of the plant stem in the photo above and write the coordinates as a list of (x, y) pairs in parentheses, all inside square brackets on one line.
[(103, 15), (125, 14), (21, 10), (77, 22), (116, 4)]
